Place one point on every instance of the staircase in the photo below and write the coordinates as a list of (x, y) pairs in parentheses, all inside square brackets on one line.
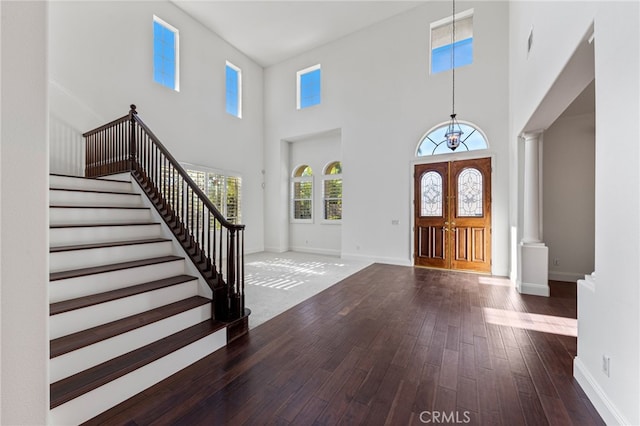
[(127, 309)]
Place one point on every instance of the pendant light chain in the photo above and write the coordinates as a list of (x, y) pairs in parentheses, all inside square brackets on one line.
[(453, 62)]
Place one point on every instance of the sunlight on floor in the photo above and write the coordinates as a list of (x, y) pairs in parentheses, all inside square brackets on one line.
[(277, 281), (535, 322), (500, 281), (288, 273)]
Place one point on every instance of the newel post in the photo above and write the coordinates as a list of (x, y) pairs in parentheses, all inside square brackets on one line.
[(132, 136)]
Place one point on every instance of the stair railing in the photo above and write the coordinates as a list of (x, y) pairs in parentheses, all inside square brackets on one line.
[(215, 245)]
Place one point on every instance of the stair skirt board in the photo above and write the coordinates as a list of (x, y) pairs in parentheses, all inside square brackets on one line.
[(92, 316), (84, 358), (86, 285), (64, 215), (66, 236), (86, 258), (92, 403)]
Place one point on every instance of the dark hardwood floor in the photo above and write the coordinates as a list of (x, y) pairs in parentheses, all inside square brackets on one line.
[(389, 345)]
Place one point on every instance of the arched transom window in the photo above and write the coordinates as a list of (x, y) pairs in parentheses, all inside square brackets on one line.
[(434, 142)]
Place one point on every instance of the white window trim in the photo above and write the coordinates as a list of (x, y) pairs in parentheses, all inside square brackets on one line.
[(177, 42), (441, 23), (299, 75), (292, 218), (239, 88)]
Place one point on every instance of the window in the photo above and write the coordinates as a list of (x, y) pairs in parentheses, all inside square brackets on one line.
[(470, 193), (308, 83), (432, 197), (434, 142), (165, 54), (223, 189), (442, 46), (302, 194), (233, 84), (333, 191)]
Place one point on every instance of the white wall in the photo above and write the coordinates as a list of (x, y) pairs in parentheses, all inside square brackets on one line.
[(608, 311), (569, 196), (24, 247), (320, 236), (101, 61), (377, 89)]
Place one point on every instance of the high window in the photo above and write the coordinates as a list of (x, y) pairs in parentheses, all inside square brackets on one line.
[(302, 194), (308, 84), (332, 191), (223, 189), (233, 85), (165, 54), (435, 143), (443, 47)]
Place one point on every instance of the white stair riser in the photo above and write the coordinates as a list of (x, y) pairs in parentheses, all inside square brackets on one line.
[(78, 198), (72, 288), (89, 184), (102, 234), (74, 362), (86, 258), (101, 399), (92, 316), (79, 216)]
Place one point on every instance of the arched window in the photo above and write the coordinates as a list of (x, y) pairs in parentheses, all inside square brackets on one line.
[(434, 142), (332, 191), (302, 194)]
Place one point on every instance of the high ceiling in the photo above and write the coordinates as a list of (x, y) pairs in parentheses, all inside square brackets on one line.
[(270, 32)]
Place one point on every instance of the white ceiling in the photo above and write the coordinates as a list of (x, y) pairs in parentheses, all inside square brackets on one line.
[(270, 32)]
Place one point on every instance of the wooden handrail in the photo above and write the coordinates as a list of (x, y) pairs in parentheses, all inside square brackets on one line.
[(128, 145), (224, 221)]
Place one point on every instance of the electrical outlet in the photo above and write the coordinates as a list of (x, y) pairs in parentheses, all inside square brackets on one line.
[(556, 262), (606, 365)]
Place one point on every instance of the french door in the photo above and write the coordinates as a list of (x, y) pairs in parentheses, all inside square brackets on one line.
[(453, 215)]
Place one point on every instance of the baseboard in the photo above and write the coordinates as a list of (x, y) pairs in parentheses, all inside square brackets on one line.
[(597, 396), (571, 277), (275, 250), (312, 250), (373, 259), (533, 289)]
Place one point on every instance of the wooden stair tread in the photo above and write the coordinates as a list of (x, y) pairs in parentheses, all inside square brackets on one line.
[(67, 206), (98, 225), (104, 245), (55, 276), (94, 299), (71, 342), (94, 191), (89, 178), (71, 387)]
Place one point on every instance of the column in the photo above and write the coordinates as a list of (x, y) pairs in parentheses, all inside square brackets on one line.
[(532, 195), (533, 271)]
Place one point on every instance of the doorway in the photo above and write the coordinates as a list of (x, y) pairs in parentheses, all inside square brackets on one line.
[(452, 215)]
